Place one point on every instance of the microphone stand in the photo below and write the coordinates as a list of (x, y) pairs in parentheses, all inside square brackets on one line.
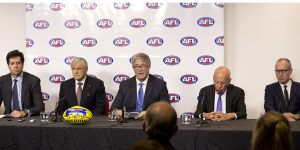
[(55, 113), (202, 120)]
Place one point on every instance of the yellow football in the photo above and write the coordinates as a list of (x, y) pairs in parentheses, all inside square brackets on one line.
[(77, 115)]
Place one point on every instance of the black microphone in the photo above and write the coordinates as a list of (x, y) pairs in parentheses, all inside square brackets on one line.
[(202, 119), (55, 113), (123, 119)]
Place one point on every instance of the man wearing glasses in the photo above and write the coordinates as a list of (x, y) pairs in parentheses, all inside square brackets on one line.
[(283, 96), (140, 91)]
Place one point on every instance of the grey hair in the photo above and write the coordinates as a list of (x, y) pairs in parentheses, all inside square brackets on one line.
[(80, 59), (287, 60), (142, 56)]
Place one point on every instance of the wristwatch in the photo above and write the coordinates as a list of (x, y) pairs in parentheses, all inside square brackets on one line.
[(27, 113)]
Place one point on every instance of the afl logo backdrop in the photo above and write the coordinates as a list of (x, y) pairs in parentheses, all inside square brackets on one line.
[(188, 5), (171, 22), (121, 41), (45, 96), (88, 42), (171, 60), (189, 79), (121, 5), (188, 41), (41, 24), (88, 6), (72, 24), (206, 60), (56, 6), (221, 5), (57, 42), (41, 60), (154, 5), (105, 60), (109, 97), (174, 98), (56, 78), (104, 23), (206, 22), (29, 7), (155, 41), (137, 23), (69, 59), (29, 43), (220, 40), (158, 76), (120, 77)]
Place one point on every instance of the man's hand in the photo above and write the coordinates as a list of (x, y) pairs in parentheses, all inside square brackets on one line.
[(141, 115), (18, 114), (219, 116), (118, 113), (290, 117)]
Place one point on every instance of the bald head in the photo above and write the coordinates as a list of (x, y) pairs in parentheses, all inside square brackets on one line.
[(221, 79)]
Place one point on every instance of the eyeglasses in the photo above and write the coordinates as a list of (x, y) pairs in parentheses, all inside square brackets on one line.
[(283, 71), (140, 67)]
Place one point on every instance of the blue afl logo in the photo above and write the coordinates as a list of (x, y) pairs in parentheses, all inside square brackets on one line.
[(188, 41), (56, 6), (29, 7), (105, 60), (120, 77), (88, 6), (205, 22), (57, 42), (155, 41), (69, 59), (56, 78), (72, 24), (104, 23), (41, 24), (171, 22), (221, 5), (154, 5), (45, 96), (158, 76), (171, 60), (121, 41), (109, 97), (206, 60), (174, 98), (188, 5), (137, 23), (88, 42), (189, 79), (220, 40), (121, 5), (29, 43), (41, 60)]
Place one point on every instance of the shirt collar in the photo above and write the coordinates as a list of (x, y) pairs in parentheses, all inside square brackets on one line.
[(288, 84), (144, 82), (19, 78), (82, 81)]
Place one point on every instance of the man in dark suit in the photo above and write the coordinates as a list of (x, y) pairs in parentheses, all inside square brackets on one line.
[(82, 90), (222, 100), (283, 96), (20, 91), (140, 91)]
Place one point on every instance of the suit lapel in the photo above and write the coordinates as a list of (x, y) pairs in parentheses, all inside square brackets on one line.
[(24, 87), (149, 90), (211, 102), (229, 98), (85, 91), (72, 91), (280, 96), (9, 89)]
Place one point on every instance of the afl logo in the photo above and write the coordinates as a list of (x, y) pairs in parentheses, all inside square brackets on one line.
[(221, 5), (206, 60), (57, 78), (171, 22), (92, 75), (57, 42), (158, 76), (188, 5), (220, 40), (105, 60), (109, 97), (155, 41), (188, 41), (72, 24), (41, 24), (29, 43), (154, 5), (88, 6), (104, 23), (69, 59), (121, 5), (88, 42), (56, 6), (171, 60), (121, 41), (206, 22), (174, 98), (29, 7), (137, 23), (120, 77), (41, 60), (189, 79), (45, 96)]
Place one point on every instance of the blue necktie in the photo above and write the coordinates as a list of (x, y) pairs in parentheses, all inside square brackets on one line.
[(15, 96), (219, 103), (139, 106)]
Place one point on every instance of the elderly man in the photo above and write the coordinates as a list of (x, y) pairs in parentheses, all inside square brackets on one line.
[(82, 90), (140, 91), (283, 96), (221, 100)]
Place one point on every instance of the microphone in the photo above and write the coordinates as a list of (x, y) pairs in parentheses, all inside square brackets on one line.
[(202, 119), (123, 118), (55, 113)]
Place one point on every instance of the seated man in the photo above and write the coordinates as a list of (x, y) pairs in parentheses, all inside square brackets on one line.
[(221, 100), (140, 91), (82, 90), (283, 96)]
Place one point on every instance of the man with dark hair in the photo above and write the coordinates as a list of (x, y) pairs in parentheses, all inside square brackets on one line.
[(161, 123), (20, 91)]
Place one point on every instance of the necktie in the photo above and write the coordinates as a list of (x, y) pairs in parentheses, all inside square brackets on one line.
[(219, 103), (286, 95), (79, 92), (139, 106), (15, 96)]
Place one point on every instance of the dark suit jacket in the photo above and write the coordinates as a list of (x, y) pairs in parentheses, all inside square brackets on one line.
[(235, 101), (274, 99), (156, 90), (31, 97), (93, 95)]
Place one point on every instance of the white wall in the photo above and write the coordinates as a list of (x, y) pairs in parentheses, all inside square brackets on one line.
[(255, 36)]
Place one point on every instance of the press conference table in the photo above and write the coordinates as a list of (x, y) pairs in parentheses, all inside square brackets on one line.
[(103, 135)]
